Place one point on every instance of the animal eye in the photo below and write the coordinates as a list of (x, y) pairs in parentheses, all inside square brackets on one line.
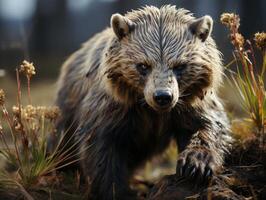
[(179, 69), (143, 69)]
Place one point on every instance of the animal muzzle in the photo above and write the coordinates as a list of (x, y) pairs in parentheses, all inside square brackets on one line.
[(163, 98), (161, 91)]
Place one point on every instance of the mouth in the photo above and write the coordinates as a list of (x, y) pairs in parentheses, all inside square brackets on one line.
[(162, 109)]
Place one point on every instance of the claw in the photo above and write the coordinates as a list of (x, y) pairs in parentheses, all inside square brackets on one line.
[(208, 173), (179, 170), (180, 167), (192, 173), (206, 177), (188, 170), (184, 170)]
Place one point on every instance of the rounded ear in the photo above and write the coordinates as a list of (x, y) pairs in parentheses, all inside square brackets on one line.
[(121, 25), (202, 27)]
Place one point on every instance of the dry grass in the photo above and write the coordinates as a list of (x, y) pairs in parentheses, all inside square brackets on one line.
[(30, 166), (247, 81)]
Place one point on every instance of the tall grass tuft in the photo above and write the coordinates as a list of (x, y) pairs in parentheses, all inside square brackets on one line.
[(28, 127), (249, 81)]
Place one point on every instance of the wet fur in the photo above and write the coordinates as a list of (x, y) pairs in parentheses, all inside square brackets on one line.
[(102, 95)]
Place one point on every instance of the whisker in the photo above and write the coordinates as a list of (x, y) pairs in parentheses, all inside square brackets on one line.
[(184, 95)]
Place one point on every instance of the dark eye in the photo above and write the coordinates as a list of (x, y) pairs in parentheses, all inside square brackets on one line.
[(179, 69), (143, 69)]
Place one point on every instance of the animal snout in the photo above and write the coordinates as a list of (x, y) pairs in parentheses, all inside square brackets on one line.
[(163, 97)]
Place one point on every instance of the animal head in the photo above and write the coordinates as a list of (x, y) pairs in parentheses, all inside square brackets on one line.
[(162, 57)]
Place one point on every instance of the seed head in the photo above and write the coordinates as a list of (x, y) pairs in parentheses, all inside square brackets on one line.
[(238, 39), (230, 20), (40, 110), (15, 110), (27, 69), (52, 113), (30, 111), (260, 40), (2, 97)]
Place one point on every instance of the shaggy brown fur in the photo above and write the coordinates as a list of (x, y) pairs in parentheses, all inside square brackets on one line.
[(152, 77)]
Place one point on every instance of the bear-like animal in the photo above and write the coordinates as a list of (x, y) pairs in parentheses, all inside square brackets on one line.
[(150, 78)]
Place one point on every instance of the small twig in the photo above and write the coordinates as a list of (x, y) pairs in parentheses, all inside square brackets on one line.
[(252, 53), (24, 136), (28, 86), (230, 63), (14, 138)]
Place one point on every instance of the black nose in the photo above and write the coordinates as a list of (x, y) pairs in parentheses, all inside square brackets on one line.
[(163, 97)]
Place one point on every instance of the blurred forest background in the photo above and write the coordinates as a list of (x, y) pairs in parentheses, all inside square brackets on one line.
[(46, 32)]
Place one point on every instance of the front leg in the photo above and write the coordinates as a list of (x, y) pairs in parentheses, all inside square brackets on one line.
[(105, 153), (204, 154), (107, 171)]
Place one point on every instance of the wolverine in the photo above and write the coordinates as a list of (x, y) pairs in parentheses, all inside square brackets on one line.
[(150, 78)]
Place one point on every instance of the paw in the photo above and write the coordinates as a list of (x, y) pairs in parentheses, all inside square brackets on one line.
[(196, 163)]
